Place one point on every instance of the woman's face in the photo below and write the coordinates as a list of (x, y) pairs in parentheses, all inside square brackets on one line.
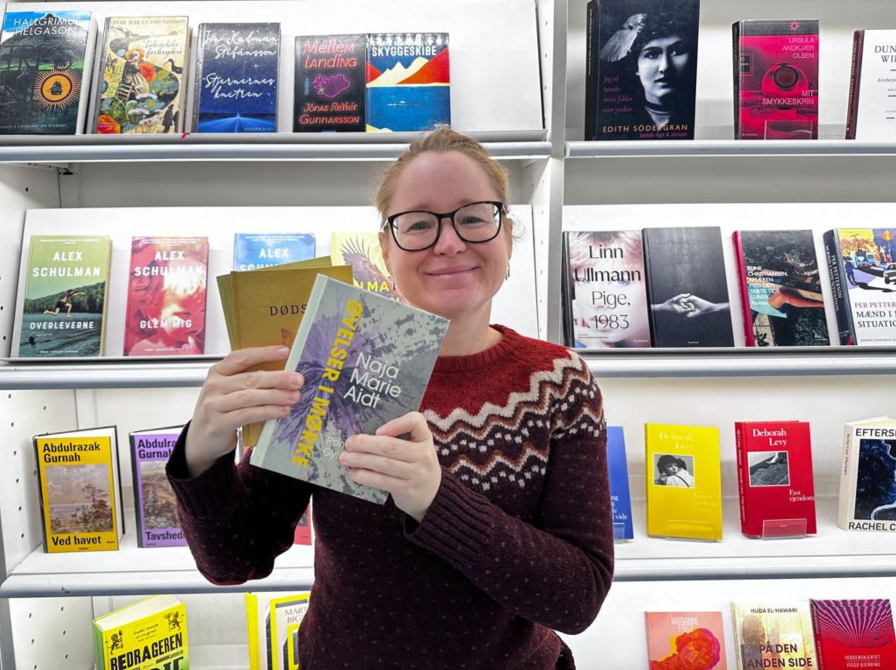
[(453, 278), (662, 63), (671, 468)]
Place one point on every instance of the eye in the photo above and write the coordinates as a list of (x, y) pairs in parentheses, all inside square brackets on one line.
[(652, 53)]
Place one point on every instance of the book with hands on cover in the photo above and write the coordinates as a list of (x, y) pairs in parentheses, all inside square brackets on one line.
[(366, 360)]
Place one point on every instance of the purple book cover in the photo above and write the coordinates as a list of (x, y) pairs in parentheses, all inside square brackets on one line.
[(156, 508)]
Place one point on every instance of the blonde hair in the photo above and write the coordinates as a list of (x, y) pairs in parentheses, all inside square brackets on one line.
[(444, 140)]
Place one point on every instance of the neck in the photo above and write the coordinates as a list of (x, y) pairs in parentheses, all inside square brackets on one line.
[(470, 335)]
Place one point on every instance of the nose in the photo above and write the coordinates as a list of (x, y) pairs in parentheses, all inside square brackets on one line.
[(664, 61), (449, 242)]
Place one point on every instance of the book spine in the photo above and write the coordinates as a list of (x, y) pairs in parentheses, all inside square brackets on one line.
[(567, 289), (735, 50), (185, 80), (591, 64), (41, 486), (855, 80), (845, 498), (741, 484), (86, 77), (743, 281), (96, 89), (197, 90), (839, 289), (645, 245), (816, 626), (138, 489)]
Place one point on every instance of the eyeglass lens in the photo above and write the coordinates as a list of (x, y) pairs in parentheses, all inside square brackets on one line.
[(477, 222)]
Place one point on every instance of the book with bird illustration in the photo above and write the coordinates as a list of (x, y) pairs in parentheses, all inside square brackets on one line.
[(362, 251)]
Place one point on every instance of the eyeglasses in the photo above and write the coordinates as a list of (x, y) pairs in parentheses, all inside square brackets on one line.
[(418, 230)]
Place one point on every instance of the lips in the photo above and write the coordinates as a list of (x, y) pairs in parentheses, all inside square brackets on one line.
[(441, 272)]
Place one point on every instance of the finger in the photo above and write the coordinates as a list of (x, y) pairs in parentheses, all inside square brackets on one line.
[(257, 414), (413, 424), (382, 464), (243, 359), (383, 445), (254, 398), (261, 379), (375, 479)]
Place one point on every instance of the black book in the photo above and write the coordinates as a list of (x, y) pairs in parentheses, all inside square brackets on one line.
[(687, 288), (641, 69), (331, 79)]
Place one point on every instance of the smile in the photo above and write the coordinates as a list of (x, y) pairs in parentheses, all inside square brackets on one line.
[(450, 272)]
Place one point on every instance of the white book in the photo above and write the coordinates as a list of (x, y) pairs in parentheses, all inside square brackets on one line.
[(872, 90)]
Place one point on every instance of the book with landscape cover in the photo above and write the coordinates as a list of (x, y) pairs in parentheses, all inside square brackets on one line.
[(608, 285), (46, 60), (64, 309), (236, 82), (620, 498), (773, 635), (781, 292), (362, 251), (154, 501), (141, 85), (366, 360), (687, 287), (267, 306), (776, 79), (867, 482), (331, 80), (166, 296), (273, 621), (774, 478), (684, 481), (408, 82), (871, 114), (80, 490), (252, 251), (685, 640), (863, 283), (854, 634), (149, 634), (641, 69)]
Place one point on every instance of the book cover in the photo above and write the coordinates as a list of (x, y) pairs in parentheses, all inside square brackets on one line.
[(237, 72), (141, 85), (150, 634), (408, 82), (872, 103), (366, 360), (273, 621), (687, 287), (608, 287), (64, 308), (641, 69), (154, 501), (853, 634), (620, 498), (773, 635), (331, 80), (684, 481), (867, 484), (43, 60), (166, 296), (363, 252), (252, 251), (776, 79), (774, 478), (80, 490), (685, 640), (781, 292), (863, 281)]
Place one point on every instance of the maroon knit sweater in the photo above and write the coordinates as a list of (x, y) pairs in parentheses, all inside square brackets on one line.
[(518, 540)]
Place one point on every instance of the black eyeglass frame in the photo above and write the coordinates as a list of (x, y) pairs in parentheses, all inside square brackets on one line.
[(390, 221)]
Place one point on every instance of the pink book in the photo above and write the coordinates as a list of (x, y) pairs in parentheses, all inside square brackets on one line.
[(692, 640)]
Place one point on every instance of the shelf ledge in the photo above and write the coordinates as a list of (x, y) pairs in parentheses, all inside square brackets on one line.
[(631, 149)]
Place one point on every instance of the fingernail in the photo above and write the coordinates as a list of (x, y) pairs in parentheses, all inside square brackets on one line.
[(296, 379), (283, 351), (342, 457), (348, 444)]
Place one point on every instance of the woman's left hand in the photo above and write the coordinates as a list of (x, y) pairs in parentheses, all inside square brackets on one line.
[(407, 468)]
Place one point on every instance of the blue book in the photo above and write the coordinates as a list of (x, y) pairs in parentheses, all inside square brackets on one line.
[(619, 492), (408, 82), (237, 67), (366, 360), (252, 251)]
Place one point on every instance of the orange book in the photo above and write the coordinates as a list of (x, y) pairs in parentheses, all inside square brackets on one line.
[(685, 640)]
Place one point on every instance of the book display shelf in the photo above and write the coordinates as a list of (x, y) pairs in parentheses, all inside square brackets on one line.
[(517, 84)]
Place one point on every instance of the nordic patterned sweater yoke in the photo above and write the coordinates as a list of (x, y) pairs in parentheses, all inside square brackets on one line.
[(518, 540)]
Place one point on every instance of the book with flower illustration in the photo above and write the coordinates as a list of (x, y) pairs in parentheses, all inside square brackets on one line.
[(366, 360), (264, 307), (156, 506), (692, 640), (773, 635), (684, 481), (362, 251), (141, 82)]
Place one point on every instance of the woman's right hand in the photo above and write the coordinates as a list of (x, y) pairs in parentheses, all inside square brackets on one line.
[(234, 396)]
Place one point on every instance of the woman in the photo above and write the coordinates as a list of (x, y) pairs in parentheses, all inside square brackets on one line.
[(498, 528)]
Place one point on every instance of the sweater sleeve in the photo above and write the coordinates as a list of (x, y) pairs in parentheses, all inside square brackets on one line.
[(236, 518), (557, 570)]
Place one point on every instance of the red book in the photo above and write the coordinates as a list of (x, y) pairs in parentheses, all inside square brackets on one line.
[(303, 529), (853, 634), (774, 478), (166, 296)]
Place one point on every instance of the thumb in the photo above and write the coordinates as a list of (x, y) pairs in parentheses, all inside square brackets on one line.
[(411, 424)]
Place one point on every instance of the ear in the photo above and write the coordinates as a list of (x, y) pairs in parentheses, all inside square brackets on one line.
[(385, 249)]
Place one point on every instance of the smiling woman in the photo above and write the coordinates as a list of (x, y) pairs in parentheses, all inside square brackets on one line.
[(498, 527)]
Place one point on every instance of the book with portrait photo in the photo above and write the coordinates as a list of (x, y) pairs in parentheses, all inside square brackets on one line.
[(774, 478), (331, 80), (641, 69), (867, 481)]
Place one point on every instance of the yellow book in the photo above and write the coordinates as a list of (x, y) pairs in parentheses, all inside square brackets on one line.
[(362, 251), (148, 635), (273, 621), (775, 635), (684, 482), (79, 490)]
